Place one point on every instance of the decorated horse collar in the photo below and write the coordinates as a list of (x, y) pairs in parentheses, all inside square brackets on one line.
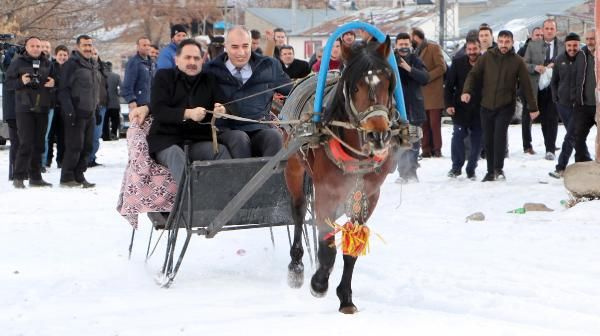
[(351, 165)]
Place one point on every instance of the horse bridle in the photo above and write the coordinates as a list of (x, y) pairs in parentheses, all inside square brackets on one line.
[(358, 118)]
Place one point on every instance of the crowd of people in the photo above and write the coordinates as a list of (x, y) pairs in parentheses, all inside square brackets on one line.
[(72, 99)]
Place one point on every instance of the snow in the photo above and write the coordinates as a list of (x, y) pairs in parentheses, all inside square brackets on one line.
[(65, 269)]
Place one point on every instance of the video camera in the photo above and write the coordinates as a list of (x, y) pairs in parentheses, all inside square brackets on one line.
[(35, 75), (8, 50)]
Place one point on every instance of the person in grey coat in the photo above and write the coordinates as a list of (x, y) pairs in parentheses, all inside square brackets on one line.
[(112, 119), (539, 57)]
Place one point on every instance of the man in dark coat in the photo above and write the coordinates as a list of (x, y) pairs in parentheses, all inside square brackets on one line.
[(563, 95), (55, 133), (240, 74), (413, 76), (78, 94), (31, 76), (465, 116), (497, 73), (8, 112), (293, 67), (585, 98), (179, 100)]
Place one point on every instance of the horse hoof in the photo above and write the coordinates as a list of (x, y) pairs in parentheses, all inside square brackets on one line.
[(318, 289), (351, 309), (295, 275)]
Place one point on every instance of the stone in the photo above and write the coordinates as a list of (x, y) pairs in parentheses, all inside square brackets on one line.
[(582, 179), (477, 216), (536, 207)]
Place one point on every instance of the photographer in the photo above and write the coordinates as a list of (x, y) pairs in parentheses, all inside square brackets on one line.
[(32, 78)]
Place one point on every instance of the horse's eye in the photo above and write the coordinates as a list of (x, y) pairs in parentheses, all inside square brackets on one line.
[(355, 90)]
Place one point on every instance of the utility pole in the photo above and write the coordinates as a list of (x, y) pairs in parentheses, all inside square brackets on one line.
[(443, 22), (597, 52)]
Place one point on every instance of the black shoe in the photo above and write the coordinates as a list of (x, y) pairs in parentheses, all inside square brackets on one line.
[(39, 183), (471, 176), (18, 184), (454, 173), (94, 164), (500, 175), (70, 184), (43, 170), (85, 184), (114, 137), (557, 174), (58, 165), (489, 177)]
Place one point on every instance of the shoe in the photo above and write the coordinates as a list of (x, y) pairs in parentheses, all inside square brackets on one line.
[(557, 174), (58, 165), (500, 175), (94, 164), (18, 184), (550, 156), (471, 176), (48, 164), (489, 177), (454, 173), (437, 154), (114, 137), (400, 180), (43, 170), (85, 184), (70, 184), (529, 151), (425, 155), (39, 183)]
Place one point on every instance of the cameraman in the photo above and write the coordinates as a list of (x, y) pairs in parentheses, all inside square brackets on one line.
[(31, 76), (413, 76)]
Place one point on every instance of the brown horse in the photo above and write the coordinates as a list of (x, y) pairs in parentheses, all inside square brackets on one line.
[(355, 159)]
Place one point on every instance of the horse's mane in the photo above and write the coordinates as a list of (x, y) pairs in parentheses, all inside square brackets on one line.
[(362, 59)]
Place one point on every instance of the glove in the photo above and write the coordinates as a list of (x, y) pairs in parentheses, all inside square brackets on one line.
[(98, 117)]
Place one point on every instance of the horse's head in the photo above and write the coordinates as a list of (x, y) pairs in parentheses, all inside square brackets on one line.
[(216, 46), (365, 92)]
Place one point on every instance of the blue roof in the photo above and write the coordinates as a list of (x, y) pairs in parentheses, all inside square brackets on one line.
[(305, 18)]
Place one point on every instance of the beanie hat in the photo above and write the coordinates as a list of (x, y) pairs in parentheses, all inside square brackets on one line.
[(572, 37), (178, 28)]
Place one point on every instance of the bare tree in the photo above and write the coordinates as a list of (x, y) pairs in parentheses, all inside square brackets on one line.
[(57, 20)]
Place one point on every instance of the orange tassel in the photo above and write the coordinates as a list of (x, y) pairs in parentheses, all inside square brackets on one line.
[(355, 238)]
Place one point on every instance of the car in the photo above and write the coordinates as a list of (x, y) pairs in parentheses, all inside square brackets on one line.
[(124, 124), (3, 126)]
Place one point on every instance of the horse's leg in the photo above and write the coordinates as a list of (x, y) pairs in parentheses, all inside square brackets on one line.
[(325, 206), (344, 290), (294, 177)]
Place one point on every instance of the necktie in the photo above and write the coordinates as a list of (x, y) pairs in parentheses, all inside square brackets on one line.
[(548, 55), (238, 74)]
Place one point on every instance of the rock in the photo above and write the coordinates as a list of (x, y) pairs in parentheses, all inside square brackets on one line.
[(477, 216), (536, 207), (582, 179)]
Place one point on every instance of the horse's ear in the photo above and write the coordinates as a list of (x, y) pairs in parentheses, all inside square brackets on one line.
[(346, 51), (385, 47)]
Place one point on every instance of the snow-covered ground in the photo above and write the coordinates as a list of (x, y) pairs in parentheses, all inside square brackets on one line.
[(64, 267)]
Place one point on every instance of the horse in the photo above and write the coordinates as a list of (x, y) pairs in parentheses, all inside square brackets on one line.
[(348, 168), (216, 46)]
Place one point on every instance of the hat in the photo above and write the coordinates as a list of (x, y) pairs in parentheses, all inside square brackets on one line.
[(178, 28), (572, 37)]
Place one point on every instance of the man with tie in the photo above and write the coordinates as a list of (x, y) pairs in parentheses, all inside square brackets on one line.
[(248, 80), (539, 57)]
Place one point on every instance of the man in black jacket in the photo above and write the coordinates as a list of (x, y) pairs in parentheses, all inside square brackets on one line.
[(79, 97), (465, 116), (293, 67), (413, 76), (55, 133), (31, 76), (563, 95), (245, 76), (585, 99), (110, 127), (179, 99)]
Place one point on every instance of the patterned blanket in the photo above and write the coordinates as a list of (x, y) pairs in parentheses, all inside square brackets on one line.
[(147, 186)]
